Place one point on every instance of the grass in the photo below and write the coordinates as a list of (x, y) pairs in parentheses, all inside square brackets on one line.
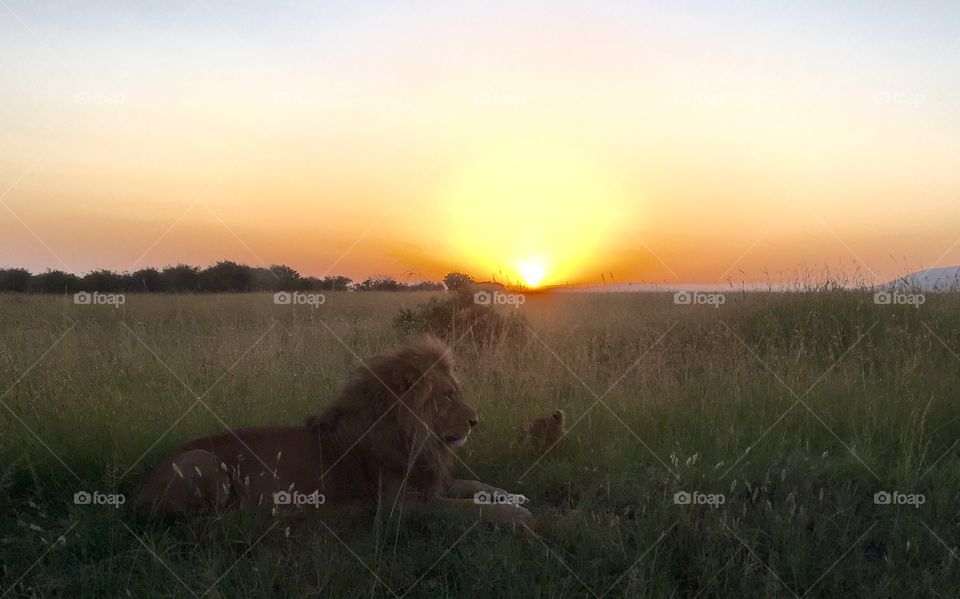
[(797, 408)]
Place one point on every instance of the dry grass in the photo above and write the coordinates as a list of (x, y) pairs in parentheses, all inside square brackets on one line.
[(797, 408)]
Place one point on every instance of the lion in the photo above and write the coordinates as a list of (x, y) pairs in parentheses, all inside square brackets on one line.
[(545, 432), (388, 438)]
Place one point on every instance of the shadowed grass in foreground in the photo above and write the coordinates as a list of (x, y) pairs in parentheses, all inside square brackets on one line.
[(730, 451)]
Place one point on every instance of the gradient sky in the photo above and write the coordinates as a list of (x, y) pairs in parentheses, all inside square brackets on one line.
[(659, 142)]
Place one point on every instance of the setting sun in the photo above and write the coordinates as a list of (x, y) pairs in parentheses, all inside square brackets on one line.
[(531, 213), (532, 272)]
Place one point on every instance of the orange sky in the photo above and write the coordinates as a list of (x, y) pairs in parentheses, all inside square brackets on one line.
[(666, 145)]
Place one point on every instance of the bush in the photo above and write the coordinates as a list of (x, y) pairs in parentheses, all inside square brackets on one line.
[(55, 281), (181, 278), (226, 276), (457, 280), (14, 279), (146, 279), (103, 281), (451, 319), (379, 283)]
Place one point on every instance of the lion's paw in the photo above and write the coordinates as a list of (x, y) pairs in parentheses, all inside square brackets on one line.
[(508, 514)]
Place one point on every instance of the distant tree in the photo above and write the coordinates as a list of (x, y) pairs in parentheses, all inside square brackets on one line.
[(457, 280), (379, 283), (261, 279), (102, 280), (145, 279), (425, 286), (310, 284), (275, 278), (55, 281), (180, 278), (336, 283), (287, 277), (15, 279), (226, 276)]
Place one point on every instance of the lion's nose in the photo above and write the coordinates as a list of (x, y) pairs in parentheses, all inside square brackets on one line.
[(473, 422)]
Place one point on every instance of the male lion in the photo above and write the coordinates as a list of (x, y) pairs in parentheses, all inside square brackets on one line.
[(388, 437)]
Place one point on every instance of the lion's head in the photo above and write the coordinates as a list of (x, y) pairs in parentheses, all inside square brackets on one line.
[(404, 410)]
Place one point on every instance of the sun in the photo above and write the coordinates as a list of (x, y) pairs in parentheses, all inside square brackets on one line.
[(532, 272), (530, 212)]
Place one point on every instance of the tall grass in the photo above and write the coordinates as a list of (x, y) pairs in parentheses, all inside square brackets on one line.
[(796, 407)]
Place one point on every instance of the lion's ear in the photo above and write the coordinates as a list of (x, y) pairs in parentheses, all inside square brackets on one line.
[(412, 387), (325, 422), (405, 377)]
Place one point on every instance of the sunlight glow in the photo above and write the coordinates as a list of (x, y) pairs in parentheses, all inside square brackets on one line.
[(531, 213), (532, 272)]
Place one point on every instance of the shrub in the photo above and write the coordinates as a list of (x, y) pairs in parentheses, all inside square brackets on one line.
[(146, 279), (451, 319), (56, 281), (14, 279), (180, 278)]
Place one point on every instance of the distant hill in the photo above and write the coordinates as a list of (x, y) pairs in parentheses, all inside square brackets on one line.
[(934, 279)]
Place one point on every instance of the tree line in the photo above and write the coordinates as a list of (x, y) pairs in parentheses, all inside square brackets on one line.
[(222, 277)]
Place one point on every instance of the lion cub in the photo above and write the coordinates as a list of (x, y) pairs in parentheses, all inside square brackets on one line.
[(545, 432)]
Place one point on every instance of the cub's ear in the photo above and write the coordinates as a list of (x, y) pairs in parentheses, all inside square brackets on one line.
[(325, 422)]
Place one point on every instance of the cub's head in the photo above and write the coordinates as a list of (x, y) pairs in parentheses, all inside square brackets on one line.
[(559, 417)]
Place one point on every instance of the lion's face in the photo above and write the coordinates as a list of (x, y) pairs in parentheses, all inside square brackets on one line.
[(401, 404), (445, 411)]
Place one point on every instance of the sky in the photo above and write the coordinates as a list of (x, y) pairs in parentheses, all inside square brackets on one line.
[(540, 142)]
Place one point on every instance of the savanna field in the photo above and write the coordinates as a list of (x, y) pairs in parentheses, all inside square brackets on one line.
[(735, 451)]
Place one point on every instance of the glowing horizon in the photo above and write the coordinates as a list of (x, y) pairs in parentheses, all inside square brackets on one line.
[(531, 143)]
